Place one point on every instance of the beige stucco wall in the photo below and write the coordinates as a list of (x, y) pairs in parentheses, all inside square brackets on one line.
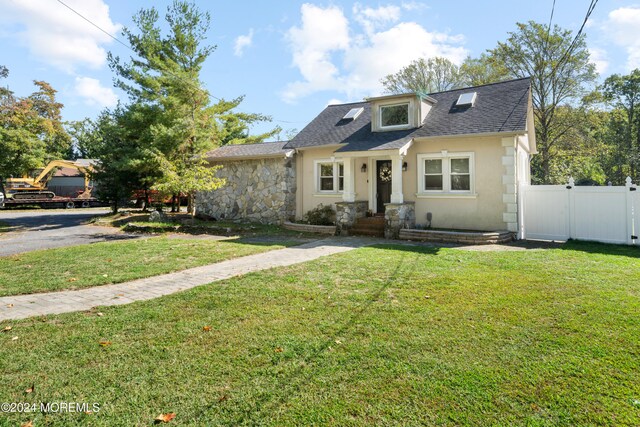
[(484, 211), (307, 197)]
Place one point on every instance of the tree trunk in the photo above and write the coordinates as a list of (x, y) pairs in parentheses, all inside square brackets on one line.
[(173, 203), (190, 207)]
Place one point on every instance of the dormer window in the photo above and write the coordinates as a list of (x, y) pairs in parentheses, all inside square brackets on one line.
[(395, 115)]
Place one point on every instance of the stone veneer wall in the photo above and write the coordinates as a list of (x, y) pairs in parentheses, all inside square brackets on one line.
[(347, 213), (261, 190), (398, 216)]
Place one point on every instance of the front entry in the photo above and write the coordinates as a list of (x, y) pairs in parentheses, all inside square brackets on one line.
[(383, 184)]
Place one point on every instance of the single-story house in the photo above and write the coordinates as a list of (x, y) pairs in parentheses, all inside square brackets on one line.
[(450, 160)]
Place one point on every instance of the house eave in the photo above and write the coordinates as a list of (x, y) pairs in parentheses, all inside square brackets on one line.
[(471, 135), (288, 154)]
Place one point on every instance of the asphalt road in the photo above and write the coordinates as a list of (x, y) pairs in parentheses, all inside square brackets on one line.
[(46, 229)]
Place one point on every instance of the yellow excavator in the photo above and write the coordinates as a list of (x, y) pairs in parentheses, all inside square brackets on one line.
[(36, 188)]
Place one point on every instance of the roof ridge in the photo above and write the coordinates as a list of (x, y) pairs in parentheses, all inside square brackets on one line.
[(347, 103), (483, 85)]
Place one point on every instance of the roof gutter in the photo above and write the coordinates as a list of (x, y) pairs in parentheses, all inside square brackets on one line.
[(287, 154)]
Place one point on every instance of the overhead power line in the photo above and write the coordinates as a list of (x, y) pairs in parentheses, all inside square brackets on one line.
[(574, 42)]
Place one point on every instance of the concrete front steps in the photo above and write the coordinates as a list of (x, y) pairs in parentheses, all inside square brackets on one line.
[(369, 226)]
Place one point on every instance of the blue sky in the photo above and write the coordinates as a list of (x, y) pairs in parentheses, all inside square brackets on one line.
[(290, 59)]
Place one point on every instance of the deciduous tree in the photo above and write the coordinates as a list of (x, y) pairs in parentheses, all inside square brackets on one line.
[(561, 74), (423, 76)]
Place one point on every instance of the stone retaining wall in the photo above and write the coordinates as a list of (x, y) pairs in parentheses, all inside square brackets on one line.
[(261, 190), (310, 228), (469, 238)]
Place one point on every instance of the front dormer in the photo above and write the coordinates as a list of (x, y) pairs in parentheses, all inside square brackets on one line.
[(399, 112)]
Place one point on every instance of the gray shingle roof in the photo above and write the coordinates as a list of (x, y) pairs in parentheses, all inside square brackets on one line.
[(264, 149), (499, 107)]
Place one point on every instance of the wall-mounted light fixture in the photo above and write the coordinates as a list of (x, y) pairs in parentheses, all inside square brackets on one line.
[(363, 169), (404, 167)]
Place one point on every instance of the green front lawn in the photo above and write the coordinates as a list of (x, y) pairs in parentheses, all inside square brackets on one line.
[(83, 266), (394, 335)]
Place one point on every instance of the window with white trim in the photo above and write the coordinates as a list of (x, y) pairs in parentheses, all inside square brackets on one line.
[(446, 173), (394, 115), (329, 176)]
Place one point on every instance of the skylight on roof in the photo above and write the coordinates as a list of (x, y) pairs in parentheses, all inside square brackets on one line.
[(467, 99), (353, 113)]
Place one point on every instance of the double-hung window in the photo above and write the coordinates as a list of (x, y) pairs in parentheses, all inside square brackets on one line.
[(446, 173), (329, 176)]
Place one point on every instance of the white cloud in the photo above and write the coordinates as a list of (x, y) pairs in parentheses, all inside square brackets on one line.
[(323, 31), (335, 101), (622, 27), (56, 35), (372, 19), (243, 42), (414, 5), (331, 56), (94, 93), (598, 57)]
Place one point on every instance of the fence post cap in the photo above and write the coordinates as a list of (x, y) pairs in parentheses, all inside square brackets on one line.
[(627, 182), (571, 181)]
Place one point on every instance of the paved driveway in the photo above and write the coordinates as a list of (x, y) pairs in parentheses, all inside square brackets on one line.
[(45, 229)]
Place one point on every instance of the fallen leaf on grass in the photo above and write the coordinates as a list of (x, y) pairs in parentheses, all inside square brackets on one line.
[(99, 314), (165, 418), (14, 339), (278, 350), (223, 398), (27, 424), (206, 328), (338, 342), (73, 279), (109, 260), (104, 343), (105, 275), (30, 389), (7, 329)]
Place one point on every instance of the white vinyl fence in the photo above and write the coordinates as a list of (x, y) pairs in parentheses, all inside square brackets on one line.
[(561, 212)]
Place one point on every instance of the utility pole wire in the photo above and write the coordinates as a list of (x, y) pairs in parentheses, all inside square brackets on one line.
[(133, 50)]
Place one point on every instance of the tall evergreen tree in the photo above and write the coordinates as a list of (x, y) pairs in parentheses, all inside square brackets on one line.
[(165, 75)]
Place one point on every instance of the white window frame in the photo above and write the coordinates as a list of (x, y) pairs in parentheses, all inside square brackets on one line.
[(336, 176), (446, 158), (401, 126)]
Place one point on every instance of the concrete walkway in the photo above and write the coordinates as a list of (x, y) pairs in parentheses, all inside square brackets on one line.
[(23, 306)]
